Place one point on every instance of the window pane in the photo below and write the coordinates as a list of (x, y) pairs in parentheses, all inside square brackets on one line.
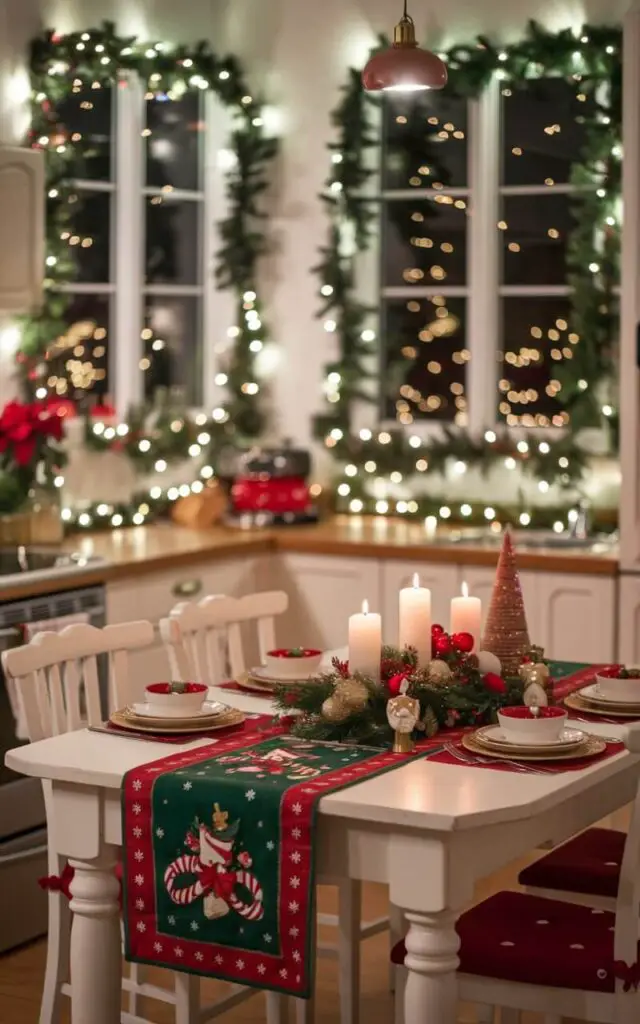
[(424, 360), (535, 238), (537, 338), (88, 112), (174, 350), (173, 144), (172, 241), (424, 242), (90, 240), (80, 372), (541, 136), (424, 140)]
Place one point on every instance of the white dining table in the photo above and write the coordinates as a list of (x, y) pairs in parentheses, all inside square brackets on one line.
[(430, 831)]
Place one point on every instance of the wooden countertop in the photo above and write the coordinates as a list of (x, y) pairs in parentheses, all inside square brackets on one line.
[(161, 547)]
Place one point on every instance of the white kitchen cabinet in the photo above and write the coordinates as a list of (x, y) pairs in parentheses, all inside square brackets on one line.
[(324, 590), (629, 620), (577, 616), (22, 201), (442, 580), (153, 595)]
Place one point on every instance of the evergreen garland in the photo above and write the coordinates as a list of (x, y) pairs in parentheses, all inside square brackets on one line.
[(592, 59)]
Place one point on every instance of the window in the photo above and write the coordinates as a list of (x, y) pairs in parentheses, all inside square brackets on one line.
[(424, 233), (135, 313), (477, 204), (83, 364)]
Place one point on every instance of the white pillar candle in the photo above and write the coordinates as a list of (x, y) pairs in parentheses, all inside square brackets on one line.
[(365, 643), (466, 616), (415, 620)]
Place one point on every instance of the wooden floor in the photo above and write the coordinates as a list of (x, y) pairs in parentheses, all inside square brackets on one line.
[(21, 975)]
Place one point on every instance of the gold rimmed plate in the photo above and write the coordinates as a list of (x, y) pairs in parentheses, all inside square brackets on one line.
[(172, 725), (591, 747), (592, 696), (247, 682), (577, 703), (492, 737)]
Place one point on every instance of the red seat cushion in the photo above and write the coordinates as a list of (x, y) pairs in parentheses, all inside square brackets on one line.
[(589, 864), (517, 937)]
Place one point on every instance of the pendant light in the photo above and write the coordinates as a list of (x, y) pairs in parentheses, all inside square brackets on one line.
[(404, 67)]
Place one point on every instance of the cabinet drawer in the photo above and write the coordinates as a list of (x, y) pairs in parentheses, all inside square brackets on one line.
[(153, 596)]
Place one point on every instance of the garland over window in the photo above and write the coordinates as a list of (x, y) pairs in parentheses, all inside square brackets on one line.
[(98, 58), (591, 61)]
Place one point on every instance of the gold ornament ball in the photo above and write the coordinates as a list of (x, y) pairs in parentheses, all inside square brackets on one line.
[(351, 692), (334, 710), (438, 672)]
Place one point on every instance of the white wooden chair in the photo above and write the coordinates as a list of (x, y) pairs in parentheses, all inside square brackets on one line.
[(204, 639), (55, 680), (562, 959), (204, 643)]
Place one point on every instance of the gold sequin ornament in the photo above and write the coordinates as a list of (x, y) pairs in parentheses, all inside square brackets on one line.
[(438, 672), (352, 693), (335, 710)]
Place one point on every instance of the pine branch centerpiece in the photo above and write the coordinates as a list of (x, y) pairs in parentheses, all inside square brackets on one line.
[(454, 689)]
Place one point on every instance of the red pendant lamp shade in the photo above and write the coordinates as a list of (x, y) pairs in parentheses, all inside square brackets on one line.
[(404, 67)]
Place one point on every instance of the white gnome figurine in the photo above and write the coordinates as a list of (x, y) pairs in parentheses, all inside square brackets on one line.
[(403, 713)]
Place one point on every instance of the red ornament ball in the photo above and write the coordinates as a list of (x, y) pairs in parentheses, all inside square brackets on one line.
[(494, 682), (436, 630), (442, 644), (462, 642), (396, 682)]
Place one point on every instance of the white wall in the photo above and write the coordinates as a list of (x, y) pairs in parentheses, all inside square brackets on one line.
[(297, 52)]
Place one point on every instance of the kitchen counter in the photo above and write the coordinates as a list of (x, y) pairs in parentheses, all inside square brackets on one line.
[(129, 553)]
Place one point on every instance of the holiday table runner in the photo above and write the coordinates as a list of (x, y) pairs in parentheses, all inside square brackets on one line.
[(219, 847)]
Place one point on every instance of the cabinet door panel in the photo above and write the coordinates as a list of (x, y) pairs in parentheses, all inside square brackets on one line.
[(442, 581), (577, 617), (629, 626), (323, 592)]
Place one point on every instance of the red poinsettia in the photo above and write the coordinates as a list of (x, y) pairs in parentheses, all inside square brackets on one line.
[(23, 428)]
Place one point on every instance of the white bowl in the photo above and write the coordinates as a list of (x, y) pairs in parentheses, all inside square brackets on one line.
[(519, 725), (169, 703), (624, 690), (295, 666)]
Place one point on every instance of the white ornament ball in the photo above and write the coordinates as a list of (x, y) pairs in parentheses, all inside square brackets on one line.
[(488, 662)]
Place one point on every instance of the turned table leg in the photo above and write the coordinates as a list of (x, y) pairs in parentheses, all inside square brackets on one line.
[(96, 965), (432, 961)]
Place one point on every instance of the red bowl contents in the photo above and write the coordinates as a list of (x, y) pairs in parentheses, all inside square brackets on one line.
[(294, 652), (522, 711), (186, 688)]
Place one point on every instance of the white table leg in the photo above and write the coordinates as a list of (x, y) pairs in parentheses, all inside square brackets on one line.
[(432, 961), (95, 942)]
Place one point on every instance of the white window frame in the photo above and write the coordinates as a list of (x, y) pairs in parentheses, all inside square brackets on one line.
[(127, 287), (483, 290)]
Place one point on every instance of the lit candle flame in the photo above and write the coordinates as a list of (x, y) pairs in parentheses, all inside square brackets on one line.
[(416, 581), (465, 590), (365, 607)]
